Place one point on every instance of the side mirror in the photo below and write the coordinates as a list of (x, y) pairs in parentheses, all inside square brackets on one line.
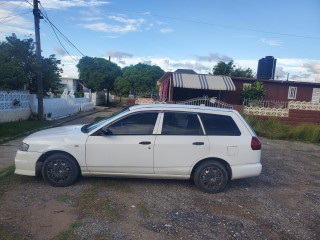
[(106, 131)]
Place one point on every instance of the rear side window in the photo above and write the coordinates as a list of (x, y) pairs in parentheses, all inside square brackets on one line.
[(219, 125), (181, 124)]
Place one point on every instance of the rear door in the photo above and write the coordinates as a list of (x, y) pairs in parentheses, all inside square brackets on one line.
[(180, 144)]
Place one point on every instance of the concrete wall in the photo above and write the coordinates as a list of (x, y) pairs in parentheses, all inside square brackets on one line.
[(14, 115)]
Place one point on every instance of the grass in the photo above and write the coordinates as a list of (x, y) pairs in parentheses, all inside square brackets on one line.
[(8, 179), (68, 234), (144, 210), (91, 204), (66, 198), (11, 129), (275, 129), (120, 186), (6, 234)]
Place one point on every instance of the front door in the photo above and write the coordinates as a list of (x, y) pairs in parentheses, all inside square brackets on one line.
[(128, 148)]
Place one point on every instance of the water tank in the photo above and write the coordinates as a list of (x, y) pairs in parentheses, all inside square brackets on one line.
[(266, 68)]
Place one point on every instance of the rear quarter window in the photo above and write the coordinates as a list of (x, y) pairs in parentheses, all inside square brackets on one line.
[(219, 125)]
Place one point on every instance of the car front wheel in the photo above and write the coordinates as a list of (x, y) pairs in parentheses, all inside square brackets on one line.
[(60, 170), (211, 177)]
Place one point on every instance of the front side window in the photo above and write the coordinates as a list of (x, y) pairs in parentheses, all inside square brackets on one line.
[(292, 93), (181, 124), (136, 124), (219, 125)]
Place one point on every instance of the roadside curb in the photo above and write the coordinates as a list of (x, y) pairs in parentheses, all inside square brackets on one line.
[(63, 121)]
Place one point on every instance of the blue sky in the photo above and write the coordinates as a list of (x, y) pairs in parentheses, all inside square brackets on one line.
[(178, 34)]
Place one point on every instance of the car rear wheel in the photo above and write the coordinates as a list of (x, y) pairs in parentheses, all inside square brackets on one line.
[(60, 170), (211, 177)]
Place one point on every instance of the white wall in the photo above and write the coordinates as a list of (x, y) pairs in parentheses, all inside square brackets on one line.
[(14, 106)]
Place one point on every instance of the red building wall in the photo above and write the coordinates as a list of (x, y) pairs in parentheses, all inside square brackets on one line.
[(275, 90)]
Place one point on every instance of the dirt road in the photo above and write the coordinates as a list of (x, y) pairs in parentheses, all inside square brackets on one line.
[(282, 203)]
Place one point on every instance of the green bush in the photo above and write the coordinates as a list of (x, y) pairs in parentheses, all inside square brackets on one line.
[(273, 128)]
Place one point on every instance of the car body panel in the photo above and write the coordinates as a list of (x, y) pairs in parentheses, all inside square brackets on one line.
[(120, 154), (167, 156)]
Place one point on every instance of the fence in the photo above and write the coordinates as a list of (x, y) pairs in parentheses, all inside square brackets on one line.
[(206, 101), (14, 100), (265, 103), (14, 106), (17, 105), (292, 112)]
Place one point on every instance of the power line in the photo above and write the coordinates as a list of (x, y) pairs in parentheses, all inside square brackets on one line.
[(29, 3), (14, 17), (55, 28), (12, 11), (218, 25)]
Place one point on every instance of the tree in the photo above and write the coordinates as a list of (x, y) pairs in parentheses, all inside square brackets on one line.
[(139, 78), (18, 66), (98, 73), (254, 92), (50, 74), (230, 69)]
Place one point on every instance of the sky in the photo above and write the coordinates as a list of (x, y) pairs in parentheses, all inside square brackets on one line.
[(172, 34)]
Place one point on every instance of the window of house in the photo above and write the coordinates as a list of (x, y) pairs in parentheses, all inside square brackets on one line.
[(181, 124), (315, 95), (292, 93), (219, 125)]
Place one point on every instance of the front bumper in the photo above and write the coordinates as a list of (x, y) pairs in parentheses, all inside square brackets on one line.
[(26, 163)]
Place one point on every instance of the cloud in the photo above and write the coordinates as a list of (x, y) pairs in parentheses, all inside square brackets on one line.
[(271, 42), (131, 21), (89, 19), (148, 62), (14, 24), (63, 4), (122, 25), (166, 30), (119, 54), (104, 27), (214, 57), (312, 67), (301, 69), (60, 51)]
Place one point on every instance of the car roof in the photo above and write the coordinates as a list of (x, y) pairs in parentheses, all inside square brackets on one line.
[(177, 107)]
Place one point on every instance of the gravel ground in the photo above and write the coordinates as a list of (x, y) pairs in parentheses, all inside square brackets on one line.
[(282, 203)]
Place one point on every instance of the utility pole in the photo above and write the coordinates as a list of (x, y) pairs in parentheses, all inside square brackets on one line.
[(37, 17)]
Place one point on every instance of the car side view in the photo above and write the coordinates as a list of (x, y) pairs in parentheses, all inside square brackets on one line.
[(211, 146)]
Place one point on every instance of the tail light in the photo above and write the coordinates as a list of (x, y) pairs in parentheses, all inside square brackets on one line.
[(255, 143)]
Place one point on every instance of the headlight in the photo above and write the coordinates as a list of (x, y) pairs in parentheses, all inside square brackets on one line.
[(23, 147)]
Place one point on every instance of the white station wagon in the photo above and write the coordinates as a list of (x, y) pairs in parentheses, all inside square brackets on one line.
[(209, 145)]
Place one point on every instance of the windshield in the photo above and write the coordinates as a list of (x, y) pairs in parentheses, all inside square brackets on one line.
[(89, 127)]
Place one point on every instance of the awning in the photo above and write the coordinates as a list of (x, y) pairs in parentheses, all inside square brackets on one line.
[(203, 81)]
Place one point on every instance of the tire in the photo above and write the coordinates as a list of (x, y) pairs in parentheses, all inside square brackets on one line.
[(60, 170), (211, 177)]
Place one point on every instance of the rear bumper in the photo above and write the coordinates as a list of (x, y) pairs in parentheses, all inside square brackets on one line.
[(26, 163), (247, 170)]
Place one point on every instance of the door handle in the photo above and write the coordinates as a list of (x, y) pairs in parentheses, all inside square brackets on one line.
[(198, 143), (145, 143)]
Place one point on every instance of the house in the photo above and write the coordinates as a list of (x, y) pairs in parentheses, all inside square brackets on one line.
[(277, 90), (71, 84), (185, 84)]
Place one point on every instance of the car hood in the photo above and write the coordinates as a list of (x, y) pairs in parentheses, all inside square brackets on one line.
[(55, 132)]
